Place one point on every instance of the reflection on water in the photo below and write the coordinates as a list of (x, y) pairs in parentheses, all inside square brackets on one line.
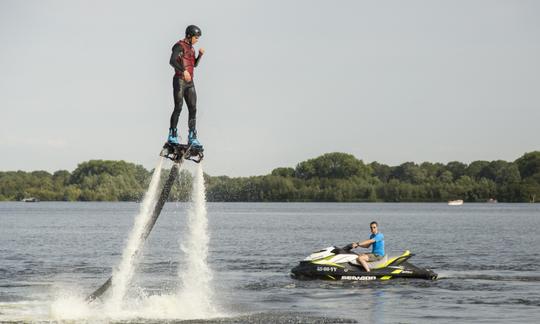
[(376, 306)]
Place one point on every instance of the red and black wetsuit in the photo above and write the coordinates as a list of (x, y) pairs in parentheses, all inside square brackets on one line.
[(182, 59)]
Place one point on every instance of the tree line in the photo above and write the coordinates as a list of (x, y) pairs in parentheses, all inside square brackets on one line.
[(332, 177)]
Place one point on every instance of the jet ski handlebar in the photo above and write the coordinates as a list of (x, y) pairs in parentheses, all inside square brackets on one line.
[(348, 247), (343, 250)]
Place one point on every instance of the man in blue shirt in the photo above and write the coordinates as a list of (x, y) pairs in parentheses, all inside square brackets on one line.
[(376, 241)]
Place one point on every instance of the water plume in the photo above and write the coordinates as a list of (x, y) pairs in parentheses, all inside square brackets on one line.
[(124, 273), (195, 292)]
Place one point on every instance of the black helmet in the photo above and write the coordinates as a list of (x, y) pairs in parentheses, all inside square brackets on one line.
[(193, 30)]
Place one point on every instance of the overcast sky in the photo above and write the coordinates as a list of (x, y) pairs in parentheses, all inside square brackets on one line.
[(281, 81)]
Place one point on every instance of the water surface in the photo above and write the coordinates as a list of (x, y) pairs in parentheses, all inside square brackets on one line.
[(486, 256)]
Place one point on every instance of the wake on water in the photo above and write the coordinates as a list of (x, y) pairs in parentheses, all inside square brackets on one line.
[(194, 298)]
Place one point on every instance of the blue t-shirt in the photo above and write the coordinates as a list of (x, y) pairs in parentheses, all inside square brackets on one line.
[(378, 246)]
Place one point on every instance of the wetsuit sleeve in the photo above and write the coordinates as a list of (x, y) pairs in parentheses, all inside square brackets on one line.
[(198, 59), (176, 52)]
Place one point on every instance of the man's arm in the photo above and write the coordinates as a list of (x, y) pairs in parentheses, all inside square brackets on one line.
[(364, 244), (201, 53), (176, 51)]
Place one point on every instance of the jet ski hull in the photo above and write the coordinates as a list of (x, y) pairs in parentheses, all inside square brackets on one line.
[(307, 270)]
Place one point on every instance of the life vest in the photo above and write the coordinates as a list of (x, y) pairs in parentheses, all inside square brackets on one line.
[(187, 58)]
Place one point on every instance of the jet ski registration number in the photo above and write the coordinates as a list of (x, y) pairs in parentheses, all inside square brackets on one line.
[(331, 269)]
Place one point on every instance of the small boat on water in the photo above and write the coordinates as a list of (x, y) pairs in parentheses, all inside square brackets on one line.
[(492, 201), (30, 199), (458, 202)]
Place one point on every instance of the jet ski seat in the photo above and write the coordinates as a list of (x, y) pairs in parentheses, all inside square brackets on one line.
[(378, 263), (373, 264)]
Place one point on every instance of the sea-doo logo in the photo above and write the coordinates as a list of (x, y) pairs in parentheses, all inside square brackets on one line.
[(331, 269), (358, 278)]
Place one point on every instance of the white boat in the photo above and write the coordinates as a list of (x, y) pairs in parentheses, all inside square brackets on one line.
[(31, 199), (458, 202)]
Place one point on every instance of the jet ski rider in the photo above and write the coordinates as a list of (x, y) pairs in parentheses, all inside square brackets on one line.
[(184, 61), (376, 241)]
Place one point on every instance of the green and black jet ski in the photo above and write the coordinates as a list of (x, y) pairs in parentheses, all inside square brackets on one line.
[(335, 263)]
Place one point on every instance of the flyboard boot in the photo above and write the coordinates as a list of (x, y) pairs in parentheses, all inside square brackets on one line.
[(193, 142), (173, 137)]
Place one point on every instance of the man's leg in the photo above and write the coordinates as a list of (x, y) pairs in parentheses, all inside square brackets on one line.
[(178, 100), (191, 101), (178, 94), (363, 259)]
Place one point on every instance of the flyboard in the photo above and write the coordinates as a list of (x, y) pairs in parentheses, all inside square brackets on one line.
[(177, 153)]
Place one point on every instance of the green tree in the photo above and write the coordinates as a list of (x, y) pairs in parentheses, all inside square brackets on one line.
[(332, 165), (409, 172), (381, 171), (530, 188), (446, 177), (493, 169), (507, 174), (474, 169), (283, 172), (529, 164), (457, 169), (432, 170)]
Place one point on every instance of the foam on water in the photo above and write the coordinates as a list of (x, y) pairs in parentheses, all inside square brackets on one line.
[(23, 311), (69, 305)]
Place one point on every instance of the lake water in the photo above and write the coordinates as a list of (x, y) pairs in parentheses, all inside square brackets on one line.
[(487, 257)]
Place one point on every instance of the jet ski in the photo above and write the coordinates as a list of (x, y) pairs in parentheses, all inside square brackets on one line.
[(334, 263)]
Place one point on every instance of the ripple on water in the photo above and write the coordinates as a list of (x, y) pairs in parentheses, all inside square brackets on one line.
[(502, 301), (499, 276), (278, 318)]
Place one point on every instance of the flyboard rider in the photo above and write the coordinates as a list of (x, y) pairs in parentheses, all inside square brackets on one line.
[(184, 61)]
